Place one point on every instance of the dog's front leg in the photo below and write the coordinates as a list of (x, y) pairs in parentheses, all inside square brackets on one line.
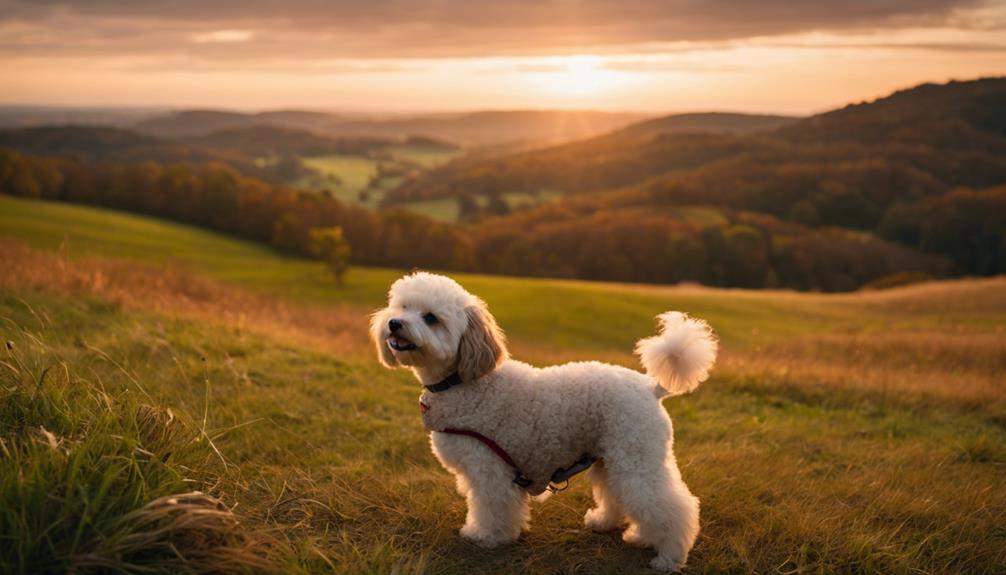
[(497, 508)]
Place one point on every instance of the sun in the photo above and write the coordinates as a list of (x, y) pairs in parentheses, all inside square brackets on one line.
[(579, 76)]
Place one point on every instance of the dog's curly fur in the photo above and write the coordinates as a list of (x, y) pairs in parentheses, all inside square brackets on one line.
[(547, 418)]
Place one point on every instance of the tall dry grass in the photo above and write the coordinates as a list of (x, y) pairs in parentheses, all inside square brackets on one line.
[(180, 292), (93, 481), (914, 368)]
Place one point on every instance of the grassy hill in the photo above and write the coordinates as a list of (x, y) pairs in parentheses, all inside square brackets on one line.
[(859, 432)]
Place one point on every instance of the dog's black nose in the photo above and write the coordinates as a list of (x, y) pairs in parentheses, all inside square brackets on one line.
[(394, 325)]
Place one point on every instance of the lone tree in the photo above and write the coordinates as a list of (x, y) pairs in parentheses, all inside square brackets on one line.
[(329, 245)]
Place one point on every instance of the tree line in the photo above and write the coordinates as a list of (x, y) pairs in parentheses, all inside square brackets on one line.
[(217, 197), (566, 239)]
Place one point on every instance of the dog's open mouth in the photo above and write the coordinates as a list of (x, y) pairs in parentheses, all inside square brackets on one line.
[(399, 343)]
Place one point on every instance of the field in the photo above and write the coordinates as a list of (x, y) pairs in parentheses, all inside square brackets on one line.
[(346, 175), (862, 433), (448, 210), (426, 156)]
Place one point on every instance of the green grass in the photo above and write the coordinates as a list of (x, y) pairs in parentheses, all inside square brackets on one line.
[(351, 174), (425, 156), (444, 210), (94, 474), (96, 232), (447, 209), (516, 199), (389, 182), (854, 433), (346, 176)]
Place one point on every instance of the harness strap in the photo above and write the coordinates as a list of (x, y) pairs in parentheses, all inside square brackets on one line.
[(520, 478), (489, 443)]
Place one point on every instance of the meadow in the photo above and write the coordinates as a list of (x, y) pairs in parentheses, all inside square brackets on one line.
[(449, 210), (426, 156), (861, 432), (344, 175), (348, 175)]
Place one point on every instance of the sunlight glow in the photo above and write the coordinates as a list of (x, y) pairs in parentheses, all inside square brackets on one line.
[(578, 76)]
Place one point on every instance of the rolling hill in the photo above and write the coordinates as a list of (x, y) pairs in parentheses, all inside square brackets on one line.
[(470, 129), (889, 168), (970, 112), (12, 116), (271, 140), (492, 128), (195, 123), (952, 132), (716, 122), (497, 129), (105, 144)]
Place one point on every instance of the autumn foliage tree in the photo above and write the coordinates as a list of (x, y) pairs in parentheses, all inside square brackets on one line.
[(329, 245)]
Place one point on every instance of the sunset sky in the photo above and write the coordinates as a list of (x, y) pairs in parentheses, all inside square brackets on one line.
[(400, 55)]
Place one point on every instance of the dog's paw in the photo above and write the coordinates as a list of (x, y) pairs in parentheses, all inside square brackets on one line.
[(661, 563), (484, 540), (599, 521), (632, 536)]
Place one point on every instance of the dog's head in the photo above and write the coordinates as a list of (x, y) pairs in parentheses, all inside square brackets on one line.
[(433, 324)]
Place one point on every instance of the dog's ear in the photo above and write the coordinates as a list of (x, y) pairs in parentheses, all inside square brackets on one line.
[(482, 346), (384, 354)]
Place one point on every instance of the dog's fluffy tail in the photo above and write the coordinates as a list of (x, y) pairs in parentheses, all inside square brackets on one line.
[(680, 355)]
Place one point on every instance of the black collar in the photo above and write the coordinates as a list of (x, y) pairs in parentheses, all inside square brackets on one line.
[(447, 383)]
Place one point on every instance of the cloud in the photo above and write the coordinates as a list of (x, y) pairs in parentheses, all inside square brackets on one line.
[(223, 36), (231, 30)]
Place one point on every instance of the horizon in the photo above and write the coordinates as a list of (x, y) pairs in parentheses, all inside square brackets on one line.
[(392, 58), (391, 113)]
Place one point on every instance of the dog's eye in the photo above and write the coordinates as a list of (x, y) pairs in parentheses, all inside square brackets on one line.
[(429, 318)]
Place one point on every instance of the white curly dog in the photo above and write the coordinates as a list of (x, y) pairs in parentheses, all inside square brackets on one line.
[(508, 430)]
